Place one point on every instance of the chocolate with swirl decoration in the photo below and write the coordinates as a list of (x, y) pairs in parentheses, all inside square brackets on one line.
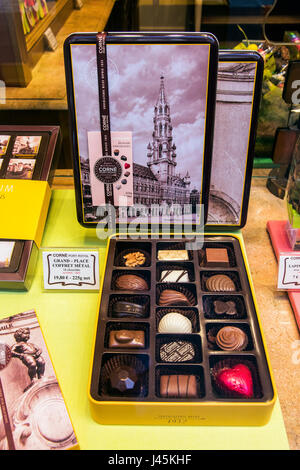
[(173, 297), (131, 282), (220, 283), (231, 338)]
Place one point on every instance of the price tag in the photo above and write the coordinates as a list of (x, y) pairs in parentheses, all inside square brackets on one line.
[(289, 272), (71, 270)]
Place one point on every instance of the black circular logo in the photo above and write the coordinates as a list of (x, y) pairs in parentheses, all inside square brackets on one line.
[(107, 170)]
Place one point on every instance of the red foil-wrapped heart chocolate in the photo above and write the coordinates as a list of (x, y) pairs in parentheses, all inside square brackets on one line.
[(234, 381)]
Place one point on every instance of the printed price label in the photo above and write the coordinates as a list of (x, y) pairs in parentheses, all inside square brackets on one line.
[(289, 272), (71, 270)]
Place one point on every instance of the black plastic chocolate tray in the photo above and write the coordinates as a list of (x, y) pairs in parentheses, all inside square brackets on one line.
[(200, 313)]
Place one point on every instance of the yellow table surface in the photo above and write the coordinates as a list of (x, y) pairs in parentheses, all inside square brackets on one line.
[(68, 321)]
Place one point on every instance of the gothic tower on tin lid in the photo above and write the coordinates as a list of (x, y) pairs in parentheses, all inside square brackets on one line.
[(162, 151)]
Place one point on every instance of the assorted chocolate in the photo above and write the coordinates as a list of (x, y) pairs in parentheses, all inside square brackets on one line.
[(126, 339), (178, 386), (124, 375), (133, 259), (228, 308), (169, 297), (228, 338), (131, 282), (174, 322), (121, 309), (176, 275), (216, 258), (172, 255), (233, 380), (182, 325), (220, 283), (177, 351)]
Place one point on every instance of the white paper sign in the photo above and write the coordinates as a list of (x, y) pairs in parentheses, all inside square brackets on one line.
[(71, 270), (289, 272)]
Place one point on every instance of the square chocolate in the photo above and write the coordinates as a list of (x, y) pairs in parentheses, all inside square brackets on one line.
[(217, 257)]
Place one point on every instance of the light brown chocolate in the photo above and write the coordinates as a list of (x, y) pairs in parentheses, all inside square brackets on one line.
[(220, 283), (131, 282), (216, 258), (126, 339), (178, 386), (231, 338), (172, 297)]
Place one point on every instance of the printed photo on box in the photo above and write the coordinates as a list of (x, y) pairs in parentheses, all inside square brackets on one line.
[(27, 145), (158, 93), (20, 168), (6, 250), (33, 412), (4, 141)]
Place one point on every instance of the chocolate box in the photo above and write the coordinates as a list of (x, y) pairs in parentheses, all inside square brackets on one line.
[(33, 413), (126, 377), (213, 369), (28, 158)]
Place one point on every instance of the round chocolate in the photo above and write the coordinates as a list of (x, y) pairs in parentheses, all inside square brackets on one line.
[(220, 283), (172, 297), (130, 282), (231, 338)]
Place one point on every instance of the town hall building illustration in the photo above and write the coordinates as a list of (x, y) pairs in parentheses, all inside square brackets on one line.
[(157, 182)]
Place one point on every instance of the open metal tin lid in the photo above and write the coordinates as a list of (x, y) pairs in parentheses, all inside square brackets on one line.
[(238, 95), (192, 113), (162, 91)]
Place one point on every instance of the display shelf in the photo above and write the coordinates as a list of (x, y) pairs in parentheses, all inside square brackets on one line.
[(55, 10), (71, 354)]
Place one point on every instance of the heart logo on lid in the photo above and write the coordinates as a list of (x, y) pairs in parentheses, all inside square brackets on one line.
[(126, 165), (237, 381)]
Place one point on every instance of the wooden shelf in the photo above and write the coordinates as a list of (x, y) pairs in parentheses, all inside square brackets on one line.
[(55, 8)]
